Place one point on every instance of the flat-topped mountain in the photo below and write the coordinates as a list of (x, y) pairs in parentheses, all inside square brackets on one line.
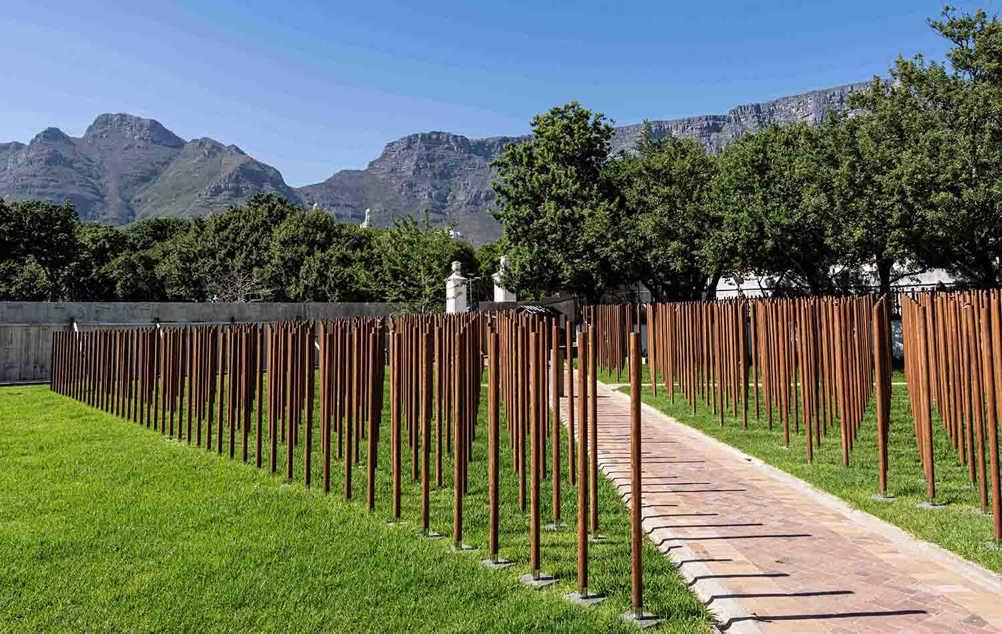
[(126, 168)]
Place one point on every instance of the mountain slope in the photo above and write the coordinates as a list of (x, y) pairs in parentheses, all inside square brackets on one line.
[(125, 168), (450, 175)]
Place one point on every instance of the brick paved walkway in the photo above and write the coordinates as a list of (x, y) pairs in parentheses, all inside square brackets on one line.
[(767, 552)]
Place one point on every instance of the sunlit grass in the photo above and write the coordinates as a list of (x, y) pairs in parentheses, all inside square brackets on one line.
[(106, 525)]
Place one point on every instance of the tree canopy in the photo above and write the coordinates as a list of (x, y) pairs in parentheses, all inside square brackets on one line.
[(265, 249)]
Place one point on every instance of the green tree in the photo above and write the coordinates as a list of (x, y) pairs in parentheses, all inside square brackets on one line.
[(298, 237), (773, 195), (40, 243), (146, 234), (877, 225), (668, 219), (339, 273), (946, 116), (98, 245), (488, 256), (414, 261), (25, 280), (557, 206), (225, 254), (132, 277)]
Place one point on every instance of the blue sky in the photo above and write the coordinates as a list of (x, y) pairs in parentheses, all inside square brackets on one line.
[(313, 87)]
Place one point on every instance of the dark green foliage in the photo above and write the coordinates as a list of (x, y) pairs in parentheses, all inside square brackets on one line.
[(942, 118), (906, 182), (665, 190), (265, 249), (558, 208), (414, 262), (771, 191)]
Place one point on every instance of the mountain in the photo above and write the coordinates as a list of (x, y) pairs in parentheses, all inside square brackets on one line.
[(450, 175), (447, 174), (125, 168)]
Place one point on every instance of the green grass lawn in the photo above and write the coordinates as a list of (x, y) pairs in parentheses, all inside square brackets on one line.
[(106, 525), (959, 526)]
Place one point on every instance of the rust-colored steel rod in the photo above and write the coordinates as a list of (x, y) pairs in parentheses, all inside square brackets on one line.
[(569, 390), (493, 441), (459, 442), (593, 432), (582, 468), (395, 339), (534, 423), (636, 499)]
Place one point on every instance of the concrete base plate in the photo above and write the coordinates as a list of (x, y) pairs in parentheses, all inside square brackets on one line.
[(880, 497), (641, 620), (994, 544), (496, 564), (595, 537), (432, 535), (463, 548), (585, 600), (559, 526), (935, 506), (541, 581)]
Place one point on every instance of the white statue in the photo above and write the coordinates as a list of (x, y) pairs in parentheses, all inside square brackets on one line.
[(501, 294), (455, 291)]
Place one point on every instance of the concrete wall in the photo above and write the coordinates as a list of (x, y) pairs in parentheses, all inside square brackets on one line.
[(26, 327)]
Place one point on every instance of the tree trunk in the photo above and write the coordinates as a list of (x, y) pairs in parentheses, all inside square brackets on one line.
[(884, 276)]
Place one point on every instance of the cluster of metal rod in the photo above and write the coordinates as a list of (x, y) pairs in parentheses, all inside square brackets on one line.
[(533, 376), (186, 380), (218, 386), (953, 352), (809, 361), (612, 324), (436, 365), (182, 381)]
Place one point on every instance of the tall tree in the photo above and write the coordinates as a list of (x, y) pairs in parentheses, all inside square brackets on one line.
[(942, 124), (557, 207), (338, 274), (667, 217), (414, 262), (877, 226), (773, 199)]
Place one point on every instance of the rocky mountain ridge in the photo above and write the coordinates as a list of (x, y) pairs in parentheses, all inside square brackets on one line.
[(126, 168)]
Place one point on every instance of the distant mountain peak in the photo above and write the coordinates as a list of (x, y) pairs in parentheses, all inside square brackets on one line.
[(131, 127), (51, 135)]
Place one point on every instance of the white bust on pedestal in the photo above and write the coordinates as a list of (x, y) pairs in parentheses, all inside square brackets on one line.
[(502, 294), (455, 291)]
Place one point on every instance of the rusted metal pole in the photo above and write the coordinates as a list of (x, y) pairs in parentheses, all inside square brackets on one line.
[(425, 372), (395, 422), (534, 371), (569, 389), (636, 499), (593, 431), (493, 440), (582, 470), (373, 420)]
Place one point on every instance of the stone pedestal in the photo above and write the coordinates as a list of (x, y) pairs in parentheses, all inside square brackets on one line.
[(456, 296)]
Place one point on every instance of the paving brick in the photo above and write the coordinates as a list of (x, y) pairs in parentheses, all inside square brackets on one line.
[(769, 553)]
